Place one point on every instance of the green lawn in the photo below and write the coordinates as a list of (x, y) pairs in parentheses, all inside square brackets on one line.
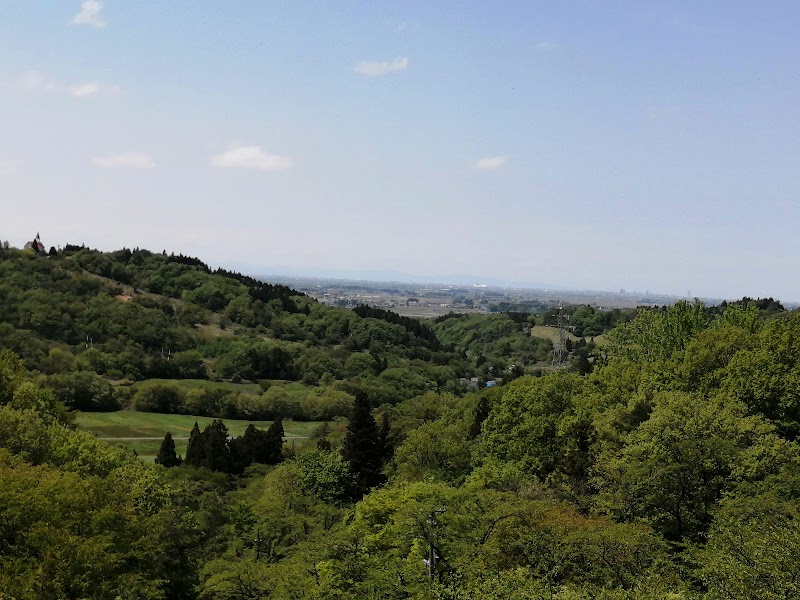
[(190, 384), (148, 449), (549, 333), (293, 388), (142, 425)]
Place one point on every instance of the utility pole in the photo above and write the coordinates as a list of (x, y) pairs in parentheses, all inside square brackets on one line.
[(433, 557), (258, 541)]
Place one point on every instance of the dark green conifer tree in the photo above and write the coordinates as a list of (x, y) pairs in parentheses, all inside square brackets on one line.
[(361, 445), (479, 416), (251, 440), (271, 453), (379, 363), (166, 454), (385, 440), (321, 432), (243, 449), (217, 451), (581, 361), (257, 445), (195, 449)]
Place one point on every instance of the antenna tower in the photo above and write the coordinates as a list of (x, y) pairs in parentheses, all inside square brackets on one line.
[(560, 343)]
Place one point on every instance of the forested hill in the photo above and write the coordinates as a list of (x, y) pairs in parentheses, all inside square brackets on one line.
[(135, 315), (668, 470)]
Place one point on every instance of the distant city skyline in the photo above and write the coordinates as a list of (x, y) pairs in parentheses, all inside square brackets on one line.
[(637, 145), (455, 280)]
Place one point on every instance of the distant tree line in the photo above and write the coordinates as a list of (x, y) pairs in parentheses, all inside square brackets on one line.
[(416, 327), (215, 450), (769, 306)]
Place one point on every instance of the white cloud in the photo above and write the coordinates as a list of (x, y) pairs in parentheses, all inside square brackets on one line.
[(375, 68), (33, 80), (8, 167), (36, 82), (401, 26), (547, 46), (130, 160), (89, 14), (251, 157), (490, 162), (92, 88)]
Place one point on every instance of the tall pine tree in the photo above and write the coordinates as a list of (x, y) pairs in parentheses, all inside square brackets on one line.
[(210, 448), (243, 448), (257, 446), (385, 440), (362, 447), (195, 449), (217, 451), (166, 454), (272, 452), (480, 414)]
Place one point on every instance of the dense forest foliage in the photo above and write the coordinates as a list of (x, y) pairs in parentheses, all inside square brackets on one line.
[(96, 323), (671, 469), (494, 341)]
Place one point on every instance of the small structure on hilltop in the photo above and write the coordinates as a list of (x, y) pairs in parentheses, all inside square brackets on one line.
[(36, 245)]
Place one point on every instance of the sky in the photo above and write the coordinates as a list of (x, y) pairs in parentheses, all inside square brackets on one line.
[(592, 145)]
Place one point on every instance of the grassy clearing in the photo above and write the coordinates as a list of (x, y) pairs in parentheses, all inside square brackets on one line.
[(292, 388), (138, 426), (549, 333), (129, 423), (193, 384), (148, 449), (214, 330)]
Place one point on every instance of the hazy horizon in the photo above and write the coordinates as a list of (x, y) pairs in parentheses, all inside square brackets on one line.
[(390, 276), (635, 146), (462, 280)]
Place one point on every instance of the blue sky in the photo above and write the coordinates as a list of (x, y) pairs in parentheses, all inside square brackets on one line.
[(600, 145)]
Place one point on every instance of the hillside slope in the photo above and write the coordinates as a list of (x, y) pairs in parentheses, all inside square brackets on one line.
[(97, 322)]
